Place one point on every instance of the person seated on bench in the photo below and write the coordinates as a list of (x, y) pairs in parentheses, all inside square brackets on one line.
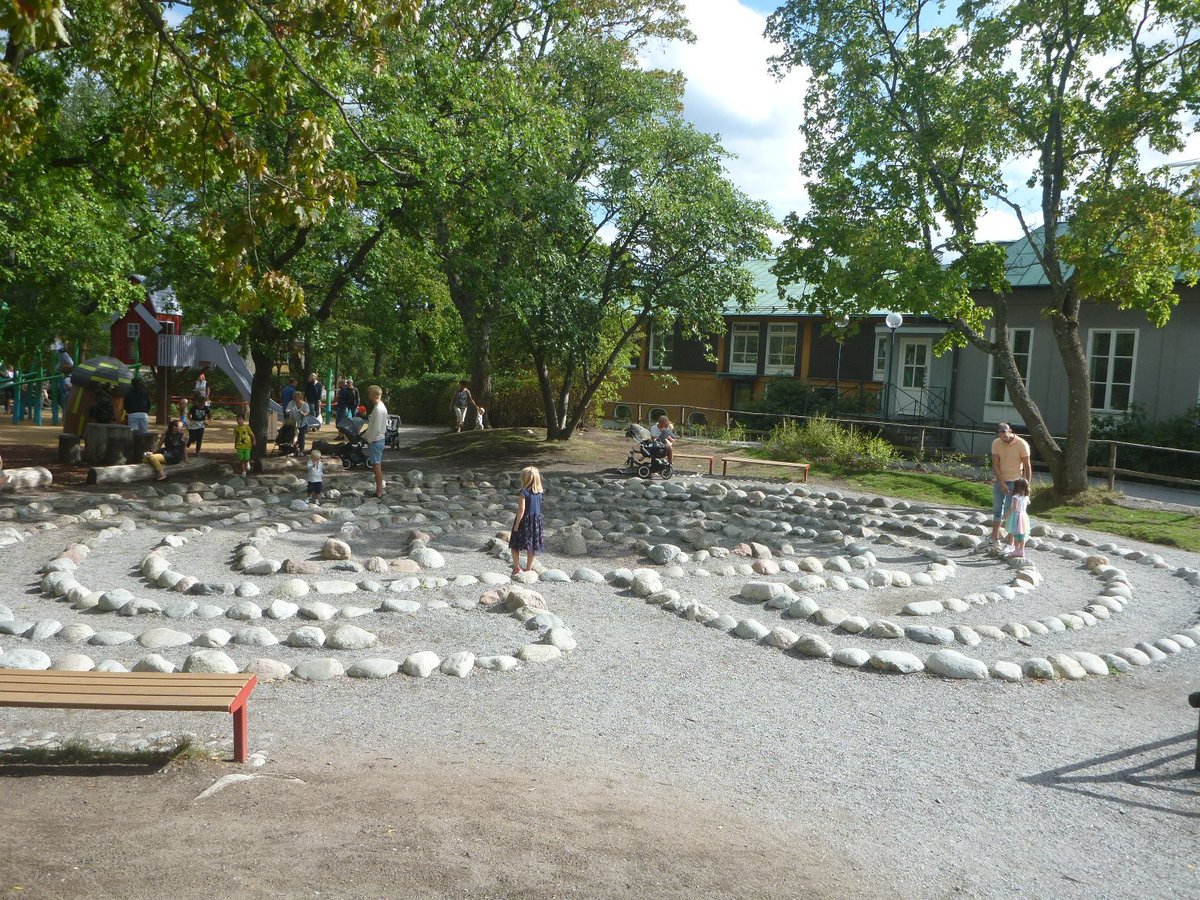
[(662, 430), (172, 450)]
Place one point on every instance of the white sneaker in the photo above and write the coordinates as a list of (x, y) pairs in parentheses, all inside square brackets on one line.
[(1006, 549)]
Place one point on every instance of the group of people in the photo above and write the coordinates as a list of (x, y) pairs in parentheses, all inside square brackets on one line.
[(462, 402), (1010, 490)]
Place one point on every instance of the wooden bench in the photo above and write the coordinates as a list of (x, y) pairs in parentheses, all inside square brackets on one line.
[(133, 690), (699, 456), (1194, 703), (726, 460)]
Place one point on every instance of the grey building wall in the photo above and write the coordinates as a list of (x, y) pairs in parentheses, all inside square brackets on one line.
[(1166, 371)]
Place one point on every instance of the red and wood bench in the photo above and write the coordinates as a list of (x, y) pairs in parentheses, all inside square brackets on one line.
[(726, 460), (184, 692)]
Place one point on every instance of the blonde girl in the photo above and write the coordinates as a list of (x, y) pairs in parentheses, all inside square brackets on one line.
[(1017, 524), (527, 526)]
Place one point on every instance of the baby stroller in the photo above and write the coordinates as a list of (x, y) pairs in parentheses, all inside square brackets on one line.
[(649, 456), (353, 451), (285, 438), (391, 437)]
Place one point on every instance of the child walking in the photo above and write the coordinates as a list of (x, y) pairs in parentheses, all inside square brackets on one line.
[(316, 478), (1017, 524), (527, 526), (243, 443)]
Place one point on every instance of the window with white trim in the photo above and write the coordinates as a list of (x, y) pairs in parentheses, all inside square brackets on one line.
[(1021, 341), (743, 349), (662, 348), (1111, 356), (781, 349), (881, 358), (133, 330)]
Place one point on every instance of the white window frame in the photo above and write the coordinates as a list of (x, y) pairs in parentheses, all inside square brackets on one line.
[(992, 374), (663, 343), (133, 331), (880, 373), (1108, 409), (745, 366), (781, 330)]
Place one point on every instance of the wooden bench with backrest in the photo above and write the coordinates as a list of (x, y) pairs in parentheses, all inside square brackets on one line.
[(726, 460), (184, 692)]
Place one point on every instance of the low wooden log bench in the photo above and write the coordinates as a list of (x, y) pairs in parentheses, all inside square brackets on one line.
[(1194, 703), (128, 474), (700, 456), (183, 692), (726, 460)]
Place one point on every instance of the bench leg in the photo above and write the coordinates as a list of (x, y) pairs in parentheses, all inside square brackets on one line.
[(241, 748), (724, 467), (805, 478)]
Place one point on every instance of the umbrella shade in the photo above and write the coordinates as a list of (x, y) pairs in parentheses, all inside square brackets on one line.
[(103, 370)]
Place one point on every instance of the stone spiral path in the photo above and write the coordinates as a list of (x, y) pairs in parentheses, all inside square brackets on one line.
[(240, 576)]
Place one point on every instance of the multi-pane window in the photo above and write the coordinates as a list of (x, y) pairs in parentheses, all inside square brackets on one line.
[(1111, 355), (662, 348), (1021, 341), (133, 330), (743, 349), (781, 350), (881, 358)]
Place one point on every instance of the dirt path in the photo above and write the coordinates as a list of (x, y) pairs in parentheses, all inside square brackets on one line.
[(392, 827)]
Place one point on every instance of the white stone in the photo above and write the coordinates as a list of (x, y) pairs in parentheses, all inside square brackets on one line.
[(307, 637), (292, 587), (459, 664), (210, 661), (537, 653), (813, 645), (497, 663), (896, 661), (321, 612), (255, 636), (350, 637), (373, 668), (318, 669), (162, 638), (952, 664), (1068, 667), (1003, 670), (427, 558), (73, 662), (154, 663), (421, 664), (852, 657), (24, 658), (922, 608)]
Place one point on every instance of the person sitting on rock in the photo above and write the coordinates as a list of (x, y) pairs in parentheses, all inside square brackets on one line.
[(171, 452)]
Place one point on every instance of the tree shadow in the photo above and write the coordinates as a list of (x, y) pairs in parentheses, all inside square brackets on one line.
[(1156, 772)]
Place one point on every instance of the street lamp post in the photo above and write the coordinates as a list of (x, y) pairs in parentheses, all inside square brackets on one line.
[(893, 321), (842, 324)]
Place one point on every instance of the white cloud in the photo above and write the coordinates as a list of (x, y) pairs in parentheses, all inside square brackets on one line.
[(730, 92)]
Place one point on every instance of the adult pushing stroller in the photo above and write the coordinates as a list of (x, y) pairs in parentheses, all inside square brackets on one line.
[(285, 439), (649, 456)]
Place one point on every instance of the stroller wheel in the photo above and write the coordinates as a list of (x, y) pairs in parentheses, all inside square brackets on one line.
[(643, 471), (667, 471), (345, 462)]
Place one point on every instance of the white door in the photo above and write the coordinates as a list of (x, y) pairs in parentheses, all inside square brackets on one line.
[(911, 397)]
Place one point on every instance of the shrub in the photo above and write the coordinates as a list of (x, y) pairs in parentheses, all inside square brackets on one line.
[(1181, 432), (820, 440), (425, 400)]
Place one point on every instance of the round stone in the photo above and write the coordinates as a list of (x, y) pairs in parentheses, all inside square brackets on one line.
[(851, 657), (423, 663), (373, 668), (210, 661), (952, 664), (895, 661), (318, 670)]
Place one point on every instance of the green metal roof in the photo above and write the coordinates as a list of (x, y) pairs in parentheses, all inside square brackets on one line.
[(767, 301), (1021, 264)]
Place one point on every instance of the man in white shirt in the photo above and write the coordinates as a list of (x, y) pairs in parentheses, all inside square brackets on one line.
[(376, 433), (663, 431)]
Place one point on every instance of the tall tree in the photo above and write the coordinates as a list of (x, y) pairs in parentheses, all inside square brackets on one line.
[(913, 119)]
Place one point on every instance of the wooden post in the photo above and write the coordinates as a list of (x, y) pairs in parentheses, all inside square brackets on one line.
[(921, 445), (1112, 467)]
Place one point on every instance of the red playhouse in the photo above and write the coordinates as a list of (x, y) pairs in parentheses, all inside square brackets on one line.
[(135, 335)]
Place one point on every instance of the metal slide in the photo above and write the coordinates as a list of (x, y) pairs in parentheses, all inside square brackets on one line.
[(189, 351)]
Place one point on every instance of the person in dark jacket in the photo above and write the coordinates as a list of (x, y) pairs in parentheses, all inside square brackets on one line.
[(137, 406)]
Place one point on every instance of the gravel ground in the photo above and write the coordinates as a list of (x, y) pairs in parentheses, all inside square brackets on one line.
[(888, 784)]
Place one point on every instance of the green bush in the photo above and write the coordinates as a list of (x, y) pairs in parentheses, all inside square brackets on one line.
[(790, 396), (820, 440), (1181, 432)]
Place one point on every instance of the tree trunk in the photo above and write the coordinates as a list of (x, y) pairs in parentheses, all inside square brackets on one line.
[(554, 420), (479, 337), (260, 397), (1070, 479)]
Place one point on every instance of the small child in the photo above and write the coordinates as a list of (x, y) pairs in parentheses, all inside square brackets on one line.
[(480, 412), (316, 478), (527, 526), (243, 443), (1017, 524)]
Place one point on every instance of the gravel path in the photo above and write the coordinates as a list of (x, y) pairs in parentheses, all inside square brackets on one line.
[(921, 785)]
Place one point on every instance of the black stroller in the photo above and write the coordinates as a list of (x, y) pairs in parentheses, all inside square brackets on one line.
[(285, 439), (353, 451), (649, 456), (391, 437)]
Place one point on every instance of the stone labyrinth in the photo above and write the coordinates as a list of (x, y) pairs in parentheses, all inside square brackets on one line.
[(239, 576)]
